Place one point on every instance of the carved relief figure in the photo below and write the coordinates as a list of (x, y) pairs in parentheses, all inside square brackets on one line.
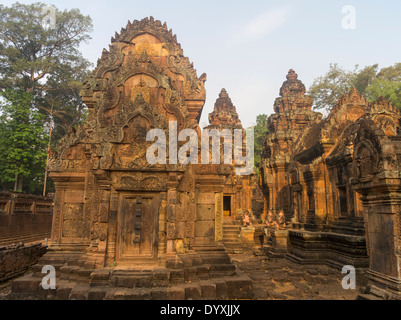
[(281, 223), (246, 222), (270, 220)]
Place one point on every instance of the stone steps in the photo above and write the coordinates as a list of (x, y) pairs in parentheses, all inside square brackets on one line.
[(76, 283), (231, 236), (193, 275), (224, 288)]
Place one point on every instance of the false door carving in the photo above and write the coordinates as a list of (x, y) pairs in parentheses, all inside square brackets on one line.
[(138, 224)]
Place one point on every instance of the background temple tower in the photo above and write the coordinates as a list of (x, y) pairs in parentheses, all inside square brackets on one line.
[(225, 114), (293, 113), (237, 191)]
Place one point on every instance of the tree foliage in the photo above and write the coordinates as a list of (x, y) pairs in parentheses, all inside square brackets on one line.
[(29, 52), (43, 63), (328, 89), (261, 131), (387, 83), (369, 81), (23, 141)]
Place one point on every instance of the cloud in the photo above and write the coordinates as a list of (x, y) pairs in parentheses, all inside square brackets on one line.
[(261, 26)]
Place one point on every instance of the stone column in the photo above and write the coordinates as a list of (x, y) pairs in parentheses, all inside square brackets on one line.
[(382, 210), (219, 217), (310, 220), (377, 179)]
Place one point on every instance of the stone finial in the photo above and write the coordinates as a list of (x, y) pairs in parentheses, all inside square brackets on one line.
[(223, 94), (292, 75), (292, 85)]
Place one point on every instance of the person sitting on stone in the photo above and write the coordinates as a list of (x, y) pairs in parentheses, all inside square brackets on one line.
[(281, 224), (246, 222), (270, 220)]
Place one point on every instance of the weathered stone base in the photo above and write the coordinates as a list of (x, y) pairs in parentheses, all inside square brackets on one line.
[(277, 243), (17, 259), (204, 274), (226, 288), (331, 249), (236, 239), (381, 287), (248, 235), (350, 226)]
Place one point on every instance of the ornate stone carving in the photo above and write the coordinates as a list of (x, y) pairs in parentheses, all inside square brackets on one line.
[(219, 216), (140, 182), (292, 86), (225, 114)]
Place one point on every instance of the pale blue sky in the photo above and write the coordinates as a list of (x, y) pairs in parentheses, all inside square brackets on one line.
[(248, 47)]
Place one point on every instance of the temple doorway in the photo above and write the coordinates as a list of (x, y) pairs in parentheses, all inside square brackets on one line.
[(342, 192), (227, 206), (137, 227)]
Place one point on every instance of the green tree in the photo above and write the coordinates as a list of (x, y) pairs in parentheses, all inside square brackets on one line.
[(369, 81), (362, 79), (22, 142), (31, 52), (66, 102), (40, 63), (387, 84), (328, 89), (44, 60), (261, 131)]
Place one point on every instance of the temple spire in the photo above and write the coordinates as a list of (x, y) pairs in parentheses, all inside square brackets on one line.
[(225, 114)]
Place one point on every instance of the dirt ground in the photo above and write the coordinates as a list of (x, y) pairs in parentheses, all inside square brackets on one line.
[(280, 279)]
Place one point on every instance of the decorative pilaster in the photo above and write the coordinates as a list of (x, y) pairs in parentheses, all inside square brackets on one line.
[(219, 217)]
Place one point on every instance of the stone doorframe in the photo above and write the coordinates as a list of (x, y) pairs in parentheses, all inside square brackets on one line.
[(139, 229)]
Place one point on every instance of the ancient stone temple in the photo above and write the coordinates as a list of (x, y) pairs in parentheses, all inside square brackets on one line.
[(238, 190), (293, 113), (324, 201), (375, 179), (338, 181), (224, 115), (124, 228)]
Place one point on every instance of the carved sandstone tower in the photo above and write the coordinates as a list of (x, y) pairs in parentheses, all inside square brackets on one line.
[(224, 115), (109, 199), (293, 113), (237, 192), (120, 221)]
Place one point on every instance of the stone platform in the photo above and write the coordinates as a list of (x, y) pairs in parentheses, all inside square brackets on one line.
[(328, 248), (335, 250), (17, 259), (276, 245), (190, 276)]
